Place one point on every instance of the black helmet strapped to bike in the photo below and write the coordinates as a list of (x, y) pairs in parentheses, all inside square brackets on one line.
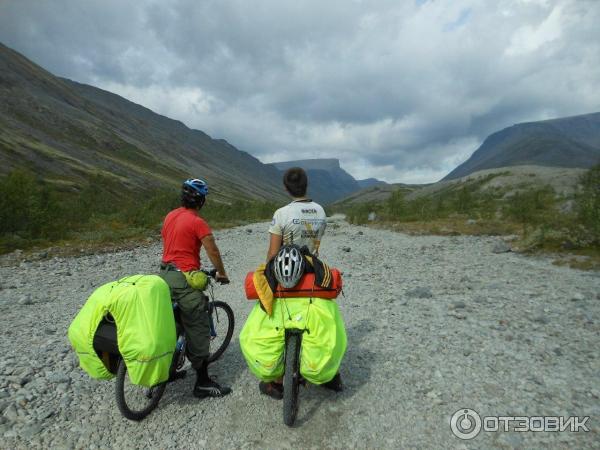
[(194, 192), (289, 266)]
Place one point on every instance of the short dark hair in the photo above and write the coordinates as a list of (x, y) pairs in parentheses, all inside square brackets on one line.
[(191, 199), (295, 181), (190, 203)]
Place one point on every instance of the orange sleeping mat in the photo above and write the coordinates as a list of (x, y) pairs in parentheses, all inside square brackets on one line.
[(305, 288)]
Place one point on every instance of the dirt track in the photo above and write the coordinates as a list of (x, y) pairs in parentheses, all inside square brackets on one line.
[(434, 324)]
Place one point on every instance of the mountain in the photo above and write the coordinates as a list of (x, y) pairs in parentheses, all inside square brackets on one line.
[(73, 135), (369, 182), (566, 142), (327, 181), (499, 181)]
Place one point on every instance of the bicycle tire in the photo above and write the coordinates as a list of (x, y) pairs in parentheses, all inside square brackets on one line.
[(126, 410), (213, 311), (291, 379)]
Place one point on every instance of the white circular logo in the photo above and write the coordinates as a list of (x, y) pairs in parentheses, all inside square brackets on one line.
[(465, 424)]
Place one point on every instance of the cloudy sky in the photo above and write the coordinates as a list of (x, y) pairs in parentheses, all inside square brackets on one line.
[(401, 90)]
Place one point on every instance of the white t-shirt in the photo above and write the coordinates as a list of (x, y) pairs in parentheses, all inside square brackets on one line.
[(301, 223)]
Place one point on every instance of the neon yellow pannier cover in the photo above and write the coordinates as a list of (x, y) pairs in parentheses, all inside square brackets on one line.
[(262, 338), (143, 314)]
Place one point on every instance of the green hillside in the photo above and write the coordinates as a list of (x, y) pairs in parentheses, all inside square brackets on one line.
[(77, 158), (68, 133), (545, 208)]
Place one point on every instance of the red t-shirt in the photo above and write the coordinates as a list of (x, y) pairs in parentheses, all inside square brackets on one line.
[(182, 232)]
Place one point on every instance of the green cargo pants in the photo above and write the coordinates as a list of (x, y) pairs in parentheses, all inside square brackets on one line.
[(193, 307)]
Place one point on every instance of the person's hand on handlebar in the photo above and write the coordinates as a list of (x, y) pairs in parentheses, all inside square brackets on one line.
[(215, 258), (221, 278)]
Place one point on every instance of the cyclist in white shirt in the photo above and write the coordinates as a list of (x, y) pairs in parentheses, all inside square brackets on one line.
[(302, 222)]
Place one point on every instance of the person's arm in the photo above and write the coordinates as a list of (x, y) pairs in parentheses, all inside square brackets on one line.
[(274, 245), (276, 233), (213, 253)]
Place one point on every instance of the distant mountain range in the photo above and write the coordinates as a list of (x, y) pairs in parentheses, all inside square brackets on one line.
[(570, 142), (567, 142), (327, 181), (72, 135), (549, 152)]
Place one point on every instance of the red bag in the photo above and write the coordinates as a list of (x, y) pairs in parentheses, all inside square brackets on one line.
[(305, 288)]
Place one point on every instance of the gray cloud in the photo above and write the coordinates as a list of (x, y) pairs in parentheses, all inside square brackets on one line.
[(398, 90)]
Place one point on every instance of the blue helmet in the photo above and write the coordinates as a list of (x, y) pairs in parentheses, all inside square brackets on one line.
[(193, 192)]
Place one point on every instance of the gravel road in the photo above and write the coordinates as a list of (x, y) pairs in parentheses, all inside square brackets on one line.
[(434, 324)]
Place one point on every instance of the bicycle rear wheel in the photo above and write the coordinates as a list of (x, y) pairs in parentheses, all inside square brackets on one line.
[(291, 378), (135, 402), (221, 322)]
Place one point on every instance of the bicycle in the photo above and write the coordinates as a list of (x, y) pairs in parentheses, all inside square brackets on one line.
[(136, 402), (291, 311), (291, 376), (292, 379)]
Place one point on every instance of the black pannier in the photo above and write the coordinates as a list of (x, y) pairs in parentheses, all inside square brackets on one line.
[(105, 339), (105, 344)]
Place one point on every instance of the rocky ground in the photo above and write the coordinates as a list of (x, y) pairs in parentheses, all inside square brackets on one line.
[(434, 324)]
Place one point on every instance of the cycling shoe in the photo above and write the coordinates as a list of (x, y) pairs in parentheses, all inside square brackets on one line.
[(210, 388), (335, 384), (273, 390)]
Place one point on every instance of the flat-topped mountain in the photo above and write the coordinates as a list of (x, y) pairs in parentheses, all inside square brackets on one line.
[(572, 142), (328, 182), (72, 135)]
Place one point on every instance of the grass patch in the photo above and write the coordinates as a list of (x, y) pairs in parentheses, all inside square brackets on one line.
[(534, 215), (36, 214), (453, 227), (579, 262)]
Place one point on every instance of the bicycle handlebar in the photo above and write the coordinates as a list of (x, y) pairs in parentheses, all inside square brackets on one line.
[(213, 274)]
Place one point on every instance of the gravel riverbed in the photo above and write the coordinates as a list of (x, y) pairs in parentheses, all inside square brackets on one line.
[(434, 324)]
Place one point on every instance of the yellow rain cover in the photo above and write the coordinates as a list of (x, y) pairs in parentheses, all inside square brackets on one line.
[(262, 338), (143, 314)]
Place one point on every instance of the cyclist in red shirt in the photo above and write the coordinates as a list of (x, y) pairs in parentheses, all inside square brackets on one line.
[(184, 232)]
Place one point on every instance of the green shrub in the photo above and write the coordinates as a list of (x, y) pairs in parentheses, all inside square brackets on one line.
[(464, 201), (395, 205), (588, 202), (33, 212), (530, 206), (28, 207), (358, 214), (238, 212), (533, 210)]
